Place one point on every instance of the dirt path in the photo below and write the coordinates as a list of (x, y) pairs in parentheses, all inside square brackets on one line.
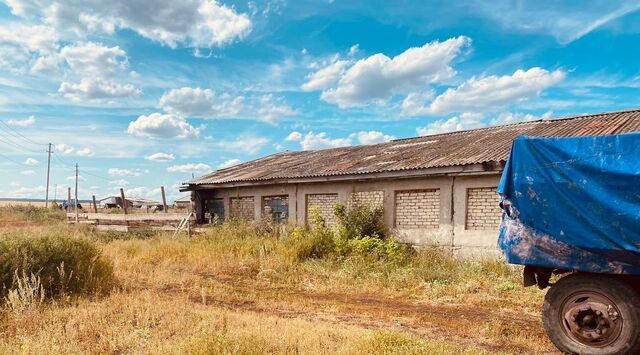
[(453, 322), (490, 328)]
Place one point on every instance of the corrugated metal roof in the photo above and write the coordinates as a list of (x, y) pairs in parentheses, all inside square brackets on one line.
[(491, 144)]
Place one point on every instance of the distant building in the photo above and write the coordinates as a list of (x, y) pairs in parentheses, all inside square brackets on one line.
[(438, 189), (183, 202), (116, 202)]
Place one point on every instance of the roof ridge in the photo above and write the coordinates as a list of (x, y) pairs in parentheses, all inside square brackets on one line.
[(295, 159), (560, 118)]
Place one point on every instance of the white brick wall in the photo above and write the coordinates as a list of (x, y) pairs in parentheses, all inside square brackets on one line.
[(326, 204), (242, 207), (483, 211), (370, 198), (419, 209)]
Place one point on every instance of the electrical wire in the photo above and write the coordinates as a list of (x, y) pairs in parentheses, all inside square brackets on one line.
[(11, 160), (19, 134), (6, 139)]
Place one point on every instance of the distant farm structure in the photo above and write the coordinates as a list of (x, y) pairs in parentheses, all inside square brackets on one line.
[(121, 213), (139, 203)]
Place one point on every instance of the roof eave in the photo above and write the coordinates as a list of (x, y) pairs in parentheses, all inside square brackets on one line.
[(492, 167)]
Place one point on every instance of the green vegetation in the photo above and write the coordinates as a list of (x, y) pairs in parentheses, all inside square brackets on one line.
[(340, 289), (52, 263), (31, 213)]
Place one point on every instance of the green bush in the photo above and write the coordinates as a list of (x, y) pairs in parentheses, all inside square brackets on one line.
[(32, 213), (63, 264), (360, 220), (370, 247), (315, 241)]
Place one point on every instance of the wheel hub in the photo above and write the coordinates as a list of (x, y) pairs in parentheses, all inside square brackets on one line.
[(592, 319)]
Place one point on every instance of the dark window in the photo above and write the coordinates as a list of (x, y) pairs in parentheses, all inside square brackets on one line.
[(214, 210), (276, 208)]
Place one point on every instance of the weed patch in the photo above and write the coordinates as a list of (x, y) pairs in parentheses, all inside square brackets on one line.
[(62, 264)]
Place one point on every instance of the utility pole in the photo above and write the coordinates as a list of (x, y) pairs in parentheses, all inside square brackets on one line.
[(76, 201), (46, 197), (55, 194), (164, 200)]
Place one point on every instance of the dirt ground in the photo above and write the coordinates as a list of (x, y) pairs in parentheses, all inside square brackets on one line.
[(488, 328), (175, 295)]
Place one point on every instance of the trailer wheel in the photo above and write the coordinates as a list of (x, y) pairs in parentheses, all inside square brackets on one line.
[(592, 314)]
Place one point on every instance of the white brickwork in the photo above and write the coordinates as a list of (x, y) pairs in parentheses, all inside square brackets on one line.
[(242, 207), (483, 211), (325, 203), (419, 209), (369, 198)]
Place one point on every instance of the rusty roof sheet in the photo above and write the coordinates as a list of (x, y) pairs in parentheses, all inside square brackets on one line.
[(491, 144)]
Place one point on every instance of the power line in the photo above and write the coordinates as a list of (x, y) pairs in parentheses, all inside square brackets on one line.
[(10, 159), (13, 144), (19, 134)]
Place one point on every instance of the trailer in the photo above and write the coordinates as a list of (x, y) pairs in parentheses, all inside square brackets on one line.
[(572, 218)]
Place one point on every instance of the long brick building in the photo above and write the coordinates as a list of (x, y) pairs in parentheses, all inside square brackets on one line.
[(438, 189)]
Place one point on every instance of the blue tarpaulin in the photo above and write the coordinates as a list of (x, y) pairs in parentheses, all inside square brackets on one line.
[(573, 203)]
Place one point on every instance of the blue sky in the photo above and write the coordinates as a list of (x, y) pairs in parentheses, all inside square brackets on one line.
[(142, 96)]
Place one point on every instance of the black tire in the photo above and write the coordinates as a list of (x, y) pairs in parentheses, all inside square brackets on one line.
[(574, 298)]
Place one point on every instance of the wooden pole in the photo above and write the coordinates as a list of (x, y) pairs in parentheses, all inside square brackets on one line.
[(164, 200), (124, 202), (76, 193), (69, 200), (95, 207), (46, 196)]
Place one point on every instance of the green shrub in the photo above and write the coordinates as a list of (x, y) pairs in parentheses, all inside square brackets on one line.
[(108, 236), (63, 264), (360, 220), (388, 249), (32, 213)]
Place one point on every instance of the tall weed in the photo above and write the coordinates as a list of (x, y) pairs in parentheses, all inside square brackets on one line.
[(64, 264)]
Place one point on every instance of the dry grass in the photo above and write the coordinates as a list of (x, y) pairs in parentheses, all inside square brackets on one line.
[(238, 290), (21, 203)]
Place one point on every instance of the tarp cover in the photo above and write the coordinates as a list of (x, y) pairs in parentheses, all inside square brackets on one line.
[(573, 203)]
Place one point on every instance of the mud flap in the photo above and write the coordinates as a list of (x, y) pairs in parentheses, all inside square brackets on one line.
[(536, 276)]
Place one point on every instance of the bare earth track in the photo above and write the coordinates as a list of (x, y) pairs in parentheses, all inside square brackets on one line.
[(450, 322)]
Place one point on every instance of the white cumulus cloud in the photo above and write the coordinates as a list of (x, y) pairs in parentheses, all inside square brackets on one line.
[(190, 168), (229, 163), (157, 125), (515, 117), (378, 77), (294, 136), (161, 157), (23, 123), (193, 23), (490, 93), (21, 45), (464, 121), (94, 59), (326, 76), (315, 141), (203, 103), (124, 172), (97, 89), (371, 137), (31, 162), (119, 182), (85, 152), (64, 149), (271, 109)]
